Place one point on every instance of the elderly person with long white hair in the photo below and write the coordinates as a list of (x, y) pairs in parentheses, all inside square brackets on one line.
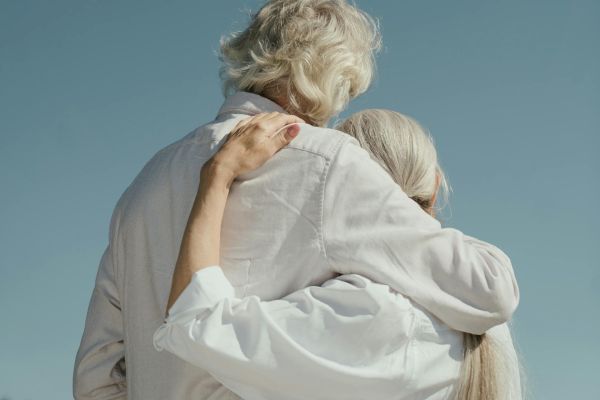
[(316, 210)]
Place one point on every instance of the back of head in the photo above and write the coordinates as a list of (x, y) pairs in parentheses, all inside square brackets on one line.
[(403, 148), (314, 55)]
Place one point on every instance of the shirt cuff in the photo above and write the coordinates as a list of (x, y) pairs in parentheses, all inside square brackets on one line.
[(207, 287)]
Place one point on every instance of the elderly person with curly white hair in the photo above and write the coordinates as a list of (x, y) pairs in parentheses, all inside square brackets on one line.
[(321, 207)]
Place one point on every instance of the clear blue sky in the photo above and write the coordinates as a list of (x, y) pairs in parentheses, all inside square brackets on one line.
[(90, 90)]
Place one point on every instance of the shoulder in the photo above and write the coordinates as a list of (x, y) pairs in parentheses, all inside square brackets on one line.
[(325, 142), (159, 175)]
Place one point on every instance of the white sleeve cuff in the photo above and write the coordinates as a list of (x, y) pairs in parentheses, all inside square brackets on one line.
[(207, 287)]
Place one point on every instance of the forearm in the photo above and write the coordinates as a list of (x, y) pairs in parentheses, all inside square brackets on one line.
[(200, 243), (248, 146), (467, 283), (256, 347)]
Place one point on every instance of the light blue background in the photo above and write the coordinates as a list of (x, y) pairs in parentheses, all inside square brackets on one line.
[(90, 90)]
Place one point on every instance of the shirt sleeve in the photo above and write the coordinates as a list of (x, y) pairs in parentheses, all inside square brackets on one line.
[(258, 348), (372, 228), (99, 371)]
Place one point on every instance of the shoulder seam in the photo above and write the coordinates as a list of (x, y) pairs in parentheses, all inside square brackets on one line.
[(307, 151), (335, 149), (325, 152)]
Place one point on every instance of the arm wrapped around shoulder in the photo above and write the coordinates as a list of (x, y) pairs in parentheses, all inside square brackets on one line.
[(371, 227), (256, 348)]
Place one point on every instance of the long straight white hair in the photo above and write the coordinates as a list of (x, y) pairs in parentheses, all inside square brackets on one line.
[(407, 152)]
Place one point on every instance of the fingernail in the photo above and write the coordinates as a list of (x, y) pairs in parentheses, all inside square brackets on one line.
[(293, 130)]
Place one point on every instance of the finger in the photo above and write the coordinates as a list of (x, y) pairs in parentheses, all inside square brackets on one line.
[(281, 120), (246, 124), (242, 123), (290, 132), (276, 116), (272, 115), (284, 136), (252, 120), (258, 123), (260, 117)]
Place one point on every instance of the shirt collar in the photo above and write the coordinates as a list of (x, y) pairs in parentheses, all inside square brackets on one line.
[(248, 103)]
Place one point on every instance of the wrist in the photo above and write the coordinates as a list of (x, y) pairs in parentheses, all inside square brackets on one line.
[(215, 173)]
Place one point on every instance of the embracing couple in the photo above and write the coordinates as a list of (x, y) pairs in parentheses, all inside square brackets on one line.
[(264, 256)]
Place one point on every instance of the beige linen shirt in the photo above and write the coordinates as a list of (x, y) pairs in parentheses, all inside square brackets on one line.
[(320, 207)]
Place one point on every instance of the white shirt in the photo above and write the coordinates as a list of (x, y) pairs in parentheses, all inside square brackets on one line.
[(320, 202), (348, 339)]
